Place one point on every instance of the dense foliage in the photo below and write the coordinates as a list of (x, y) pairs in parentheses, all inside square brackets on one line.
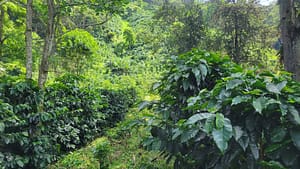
[(94, 60), (242, 119), (38, 126)]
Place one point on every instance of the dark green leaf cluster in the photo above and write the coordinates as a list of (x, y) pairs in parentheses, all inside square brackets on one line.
[(243, 119), (38, 126)]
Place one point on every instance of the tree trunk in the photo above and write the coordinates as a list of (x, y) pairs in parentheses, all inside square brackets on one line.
[(49, 42), (290, 36), (28, 36)]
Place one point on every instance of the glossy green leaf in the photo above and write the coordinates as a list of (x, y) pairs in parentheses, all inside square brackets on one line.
[(204, 71), (254, 150), (295, 135), (244, 141), (219, 120), (209, 124), (295, 114), (197, 117), (233, 83), (259, 104), (2, 127), (276, 88), (187, 135), (239, 99), (237, 132), (278, 134), (20, 163), (222, 136)]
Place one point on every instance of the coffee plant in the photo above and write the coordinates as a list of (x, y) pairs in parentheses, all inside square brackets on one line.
[(36, 127), (212, 114)]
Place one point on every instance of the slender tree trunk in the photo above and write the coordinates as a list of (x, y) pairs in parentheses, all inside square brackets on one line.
[(28, 36), (49, 42), (290, 36), (1, 28)]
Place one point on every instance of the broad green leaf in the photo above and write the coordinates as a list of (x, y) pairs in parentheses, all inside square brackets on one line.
[(187, 135), (253, 92), (278, 134), (185, 85), (209, 124), (239, 99), (281, 85), (197, 75), (254, 149), (219, 121), (204, 71), (271, 87), (237, 132), (221, 142), (222, 136), (233, 83), (295, 135), (196, 72), (2, 127), (244, 141), (273, 147), (144, 105), (283, 109), (156, 86), (259, 104), (272, 165), (295, 114), (20, 163), (197, 117), (177, 132)]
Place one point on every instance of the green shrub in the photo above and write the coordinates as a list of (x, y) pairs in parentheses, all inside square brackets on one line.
[(242, 119), (21, 143), (76, 110), (116, 104), (101, 148), (38, 126)]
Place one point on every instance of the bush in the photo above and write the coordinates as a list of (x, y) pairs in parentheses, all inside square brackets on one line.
[(20, 144), (76, 110), (245, 119), (38, 126), (116, 104)]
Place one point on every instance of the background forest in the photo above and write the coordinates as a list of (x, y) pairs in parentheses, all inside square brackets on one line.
[(149, 84)]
